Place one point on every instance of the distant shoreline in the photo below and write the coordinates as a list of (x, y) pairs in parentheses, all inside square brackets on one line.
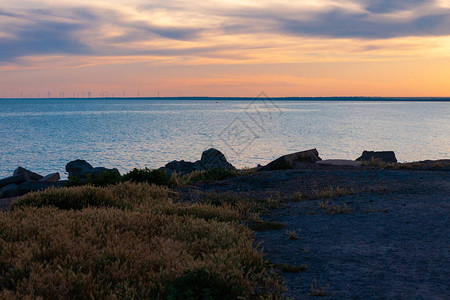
[(366, 99)]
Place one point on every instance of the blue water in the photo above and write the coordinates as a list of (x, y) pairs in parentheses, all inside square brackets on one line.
[(44, 135)]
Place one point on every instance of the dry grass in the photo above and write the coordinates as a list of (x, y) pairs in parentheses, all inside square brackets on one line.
[(334, 209), (319, 291), (287, 268), (129, 241), (377, 163), (292, 235), (177, 180), (331, 192)]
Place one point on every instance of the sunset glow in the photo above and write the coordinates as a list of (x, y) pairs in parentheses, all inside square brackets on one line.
[(225, 48)]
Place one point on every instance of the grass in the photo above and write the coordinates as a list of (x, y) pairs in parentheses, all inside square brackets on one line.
[(128, 241), (333, 208), (266, 226), (292, 235), (287, 268), (319, 291), (378, 163), (177, 180), (331, 192)]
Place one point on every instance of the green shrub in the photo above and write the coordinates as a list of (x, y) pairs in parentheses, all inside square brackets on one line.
[(158, 177), (213, 175)]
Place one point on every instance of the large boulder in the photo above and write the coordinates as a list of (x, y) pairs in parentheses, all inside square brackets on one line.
[(27, 173), (34, 186), (78, 168), (54, 177), (181, 167), (211, 159), (385, 156), (214, 159), (81, 169), (9, 191), (290, 160), (16, 179)]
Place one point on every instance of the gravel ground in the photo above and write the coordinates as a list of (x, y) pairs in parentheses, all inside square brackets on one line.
[(393, 244)]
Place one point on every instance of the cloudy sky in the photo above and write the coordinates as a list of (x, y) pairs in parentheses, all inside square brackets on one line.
[(225, 47)]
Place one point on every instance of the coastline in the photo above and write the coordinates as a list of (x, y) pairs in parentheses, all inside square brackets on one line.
[(343, 231)]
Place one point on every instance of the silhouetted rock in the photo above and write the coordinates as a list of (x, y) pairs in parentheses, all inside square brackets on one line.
[(78, 168), (9, 191), (54, 177), (16, 179), (27, 173), (290, 160), (214, 159), (82, 169), (34, 186), (385, 156), (182, 167), (211, 159)]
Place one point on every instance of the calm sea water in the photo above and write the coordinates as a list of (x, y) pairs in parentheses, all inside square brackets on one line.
[(44, 135)]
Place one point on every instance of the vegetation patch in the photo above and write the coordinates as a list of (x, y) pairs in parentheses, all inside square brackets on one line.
[(288, 268), (319, 291), (128, 241), (158, 177), (266, 226), (334, 209), (331, 192)]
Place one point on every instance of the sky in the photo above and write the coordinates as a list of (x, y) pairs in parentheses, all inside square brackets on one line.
[(224, 48)]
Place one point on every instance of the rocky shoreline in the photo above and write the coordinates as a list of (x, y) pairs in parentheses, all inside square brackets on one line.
[(370, 228)]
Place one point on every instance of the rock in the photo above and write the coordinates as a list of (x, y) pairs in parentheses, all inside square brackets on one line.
[(16, 179), (78, 168), (211, 159), (182, 167), (54, 177), (214, 159), (28, 174), (290, 160), (34, 186), (339, 162), (9, 191), (385, 156)]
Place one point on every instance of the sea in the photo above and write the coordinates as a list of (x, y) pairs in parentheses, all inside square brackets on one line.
[(43, 135)]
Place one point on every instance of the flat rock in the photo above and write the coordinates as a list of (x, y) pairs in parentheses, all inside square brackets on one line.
[(385, 156), (339, 162), (290, 160), (27, 173), (54, 177)]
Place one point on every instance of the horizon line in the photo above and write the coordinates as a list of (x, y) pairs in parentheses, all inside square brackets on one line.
[(323, 98)]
